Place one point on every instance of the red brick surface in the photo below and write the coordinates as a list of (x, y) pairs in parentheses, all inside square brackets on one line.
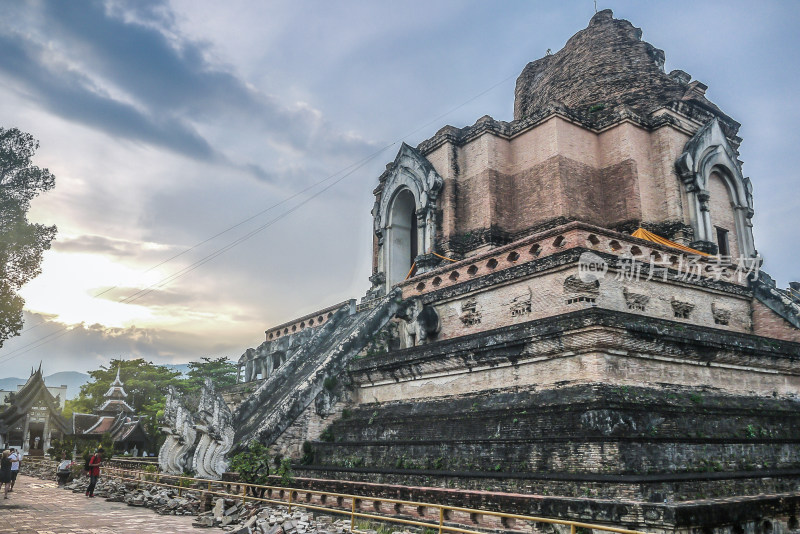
[(40, 507)]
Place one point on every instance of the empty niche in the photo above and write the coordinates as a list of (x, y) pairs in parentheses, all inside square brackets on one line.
[(635, 301), (593, 240), (514, 256), (454, 276), (535, 250), (420, 286), (491, 263), (437, 282), (636, 251), (614, 245), (576, 290), (722, 316), (559, 241), (472, 271), (681, 310)]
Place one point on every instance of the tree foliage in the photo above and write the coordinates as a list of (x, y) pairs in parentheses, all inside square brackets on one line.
[(220, 370), (21, 243)]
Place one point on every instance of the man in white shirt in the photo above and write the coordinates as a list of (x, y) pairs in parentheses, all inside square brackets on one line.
[(15, 458)]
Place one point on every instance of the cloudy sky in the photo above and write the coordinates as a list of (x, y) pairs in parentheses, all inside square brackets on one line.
[(215, 160)]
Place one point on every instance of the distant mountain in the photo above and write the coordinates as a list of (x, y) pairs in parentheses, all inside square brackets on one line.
[(72, 379), (10, 384), (182, 367)]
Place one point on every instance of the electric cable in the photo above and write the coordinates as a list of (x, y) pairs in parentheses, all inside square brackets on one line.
[(174, 276)]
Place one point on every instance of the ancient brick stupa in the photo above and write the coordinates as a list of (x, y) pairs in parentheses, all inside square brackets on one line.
[(568, 307)]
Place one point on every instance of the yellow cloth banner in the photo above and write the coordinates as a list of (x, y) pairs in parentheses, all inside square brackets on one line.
[(641, 233)]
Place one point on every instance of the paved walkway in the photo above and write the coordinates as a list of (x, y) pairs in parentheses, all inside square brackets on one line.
[(39, 507)]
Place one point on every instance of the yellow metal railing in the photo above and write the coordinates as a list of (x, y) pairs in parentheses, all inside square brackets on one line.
[(443, 519)]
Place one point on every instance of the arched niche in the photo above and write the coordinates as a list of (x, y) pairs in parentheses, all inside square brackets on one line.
[(404, 218), (709, 156), (402, 236)]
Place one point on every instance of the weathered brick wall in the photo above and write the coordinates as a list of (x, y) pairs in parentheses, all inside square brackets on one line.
[(558, 169), (769, 324), (311, 423), (517, 436)]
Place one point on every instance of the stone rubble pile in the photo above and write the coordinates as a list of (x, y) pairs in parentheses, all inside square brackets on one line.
[(259, 518), (255, 518), (35, 469), (162, 500)]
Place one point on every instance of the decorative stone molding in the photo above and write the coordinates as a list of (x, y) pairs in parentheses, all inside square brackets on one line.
[(521, 304), (635, 301), (710, 151), (175, 455), (410, 172), (470, 312), (681, 310), (576, 290), (721, 315)]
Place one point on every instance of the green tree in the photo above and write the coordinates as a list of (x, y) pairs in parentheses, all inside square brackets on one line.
[(21, 242), (220, 370)]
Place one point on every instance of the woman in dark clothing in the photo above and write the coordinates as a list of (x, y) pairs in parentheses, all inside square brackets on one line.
[(5, 473)]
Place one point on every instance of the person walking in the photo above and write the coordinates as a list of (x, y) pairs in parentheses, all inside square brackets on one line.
[(5, 472), (15, 458), (94, 464)]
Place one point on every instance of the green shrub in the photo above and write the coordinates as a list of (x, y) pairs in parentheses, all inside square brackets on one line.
[(285, 472), (308, 453), (330, 383), (252, 464), (327, 435)]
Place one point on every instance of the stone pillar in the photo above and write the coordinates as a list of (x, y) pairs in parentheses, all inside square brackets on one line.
[(46, 434), (25, 435)]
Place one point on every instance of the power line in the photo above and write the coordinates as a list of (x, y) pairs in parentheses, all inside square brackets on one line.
[(178, 274)]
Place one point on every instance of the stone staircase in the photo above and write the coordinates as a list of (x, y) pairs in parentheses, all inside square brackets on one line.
[(280, 399)]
